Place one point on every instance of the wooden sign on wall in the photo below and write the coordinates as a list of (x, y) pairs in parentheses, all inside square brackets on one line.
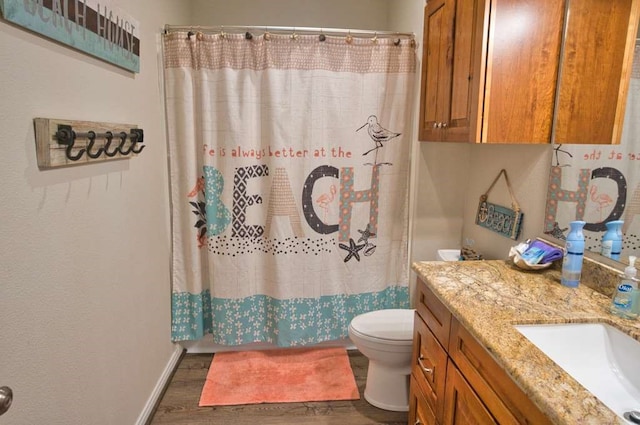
[(502, 220), (95, 27)]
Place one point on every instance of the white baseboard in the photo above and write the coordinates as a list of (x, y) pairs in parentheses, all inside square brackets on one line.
[(163, 381)]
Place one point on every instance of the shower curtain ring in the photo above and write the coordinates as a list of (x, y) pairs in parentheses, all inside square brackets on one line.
[(349, 38)]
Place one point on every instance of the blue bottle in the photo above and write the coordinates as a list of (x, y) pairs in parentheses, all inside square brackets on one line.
[(612, 240), (573, 255)]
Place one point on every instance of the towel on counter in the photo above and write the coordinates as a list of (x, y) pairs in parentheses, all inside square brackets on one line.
[(550, 253)]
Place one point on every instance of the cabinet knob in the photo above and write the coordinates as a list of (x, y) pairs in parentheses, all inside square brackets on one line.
[(417, 422), (435, 125), (423, 367), (444, 125)]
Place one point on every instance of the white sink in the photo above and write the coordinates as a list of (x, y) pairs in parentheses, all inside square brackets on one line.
[(603, 359)]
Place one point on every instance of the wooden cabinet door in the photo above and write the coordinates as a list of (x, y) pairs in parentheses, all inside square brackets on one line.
[(522, 70), (420, 412), (438, 25), (462, 405), (465, 66), (595, 70), (429, 366), (452, 70), (501, 396)]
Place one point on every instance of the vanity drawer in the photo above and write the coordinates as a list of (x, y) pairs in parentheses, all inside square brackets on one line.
[(502, 397), (433, 312), (420, 412), (429, 366)]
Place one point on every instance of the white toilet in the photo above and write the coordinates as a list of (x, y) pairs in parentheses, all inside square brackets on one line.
[(448, 254), (385, 337)]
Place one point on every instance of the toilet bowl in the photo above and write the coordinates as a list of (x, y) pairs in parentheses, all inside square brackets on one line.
[(385, 337)]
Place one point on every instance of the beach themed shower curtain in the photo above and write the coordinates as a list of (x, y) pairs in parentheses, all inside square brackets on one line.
[(289, 160), (600, 183)]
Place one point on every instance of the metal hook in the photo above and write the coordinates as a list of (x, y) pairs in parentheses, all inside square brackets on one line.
[(109, 137), (123, 139), (66, 136), (92, 141), (137, 136)]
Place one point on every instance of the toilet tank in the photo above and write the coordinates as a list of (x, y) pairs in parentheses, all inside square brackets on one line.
[(448, 254)]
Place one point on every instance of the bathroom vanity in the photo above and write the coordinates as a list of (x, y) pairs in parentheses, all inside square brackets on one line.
[(471, 365)]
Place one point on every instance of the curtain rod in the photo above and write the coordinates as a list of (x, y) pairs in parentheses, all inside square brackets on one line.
[(302, 30)]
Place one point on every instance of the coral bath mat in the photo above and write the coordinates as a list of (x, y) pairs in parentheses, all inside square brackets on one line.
[(279, 376)]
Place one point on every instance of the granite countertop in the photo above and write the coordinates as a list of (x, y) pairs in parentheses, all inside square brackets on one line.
[(489, 297)]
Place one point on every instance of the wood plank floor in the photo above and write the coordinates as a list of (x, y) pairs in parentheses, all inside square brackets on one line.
[(179, 405)]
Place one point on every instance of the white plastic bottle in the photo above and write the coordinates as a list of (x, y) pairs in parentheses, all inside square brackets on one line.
[(624, 299)]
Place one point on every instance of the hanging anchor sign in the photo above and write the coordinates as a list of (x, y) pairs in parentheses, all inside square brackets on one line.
[(502, 220)]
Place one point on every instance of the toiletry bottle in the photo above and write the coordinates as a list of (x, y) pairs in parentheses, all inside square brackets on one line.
[(612, 239), (624, 302), (573, 255)]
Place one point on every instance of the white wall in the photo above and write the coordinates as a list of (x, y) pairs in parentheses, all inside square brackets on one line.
[(355, 14), (528, 169), (84, 257)]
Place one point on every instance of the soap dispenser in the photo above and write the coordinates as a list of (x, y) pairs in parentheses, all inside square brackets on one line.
[(612, 239), (573, 255), (625, 298)]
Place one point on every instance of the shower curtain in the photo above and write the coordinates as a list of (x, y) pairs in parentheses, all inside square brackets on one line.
[(289, 159), (600, 183)]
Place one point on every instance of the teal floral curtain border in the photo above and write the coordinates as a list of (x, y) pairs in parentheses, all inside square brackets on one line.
[(286, 323)]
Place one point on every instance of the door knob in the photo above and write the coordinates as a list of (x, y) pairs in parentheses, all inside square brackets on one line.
[(6, 397)]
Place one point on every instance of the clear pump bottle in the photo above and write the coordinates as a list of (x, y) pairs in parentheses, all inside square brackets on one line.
[(624, 303)]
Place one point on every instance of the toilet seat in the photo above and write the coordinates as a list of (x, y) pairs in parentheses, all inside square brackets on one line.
[(391, 326)]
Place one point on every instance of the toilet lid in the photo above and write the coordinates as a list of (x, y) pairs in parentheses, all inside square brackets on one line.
[(391, 324)]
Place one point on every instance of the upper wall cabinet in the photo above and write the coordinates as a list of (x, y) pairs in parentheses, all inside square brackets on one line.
[(513, 71), (453, 41), (596, 64)]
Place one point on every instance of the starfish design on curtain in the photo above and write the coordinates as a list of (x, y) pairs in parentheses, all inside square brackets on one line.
[(366, 234), (353, 249)]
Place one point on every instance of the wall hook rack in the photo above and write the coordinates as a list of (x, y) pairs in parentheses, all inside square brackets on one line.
[(63, 143)]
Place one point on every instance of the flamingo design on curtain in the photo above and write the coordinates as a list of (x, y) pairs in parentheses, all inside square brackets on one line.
[(287, 220)]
